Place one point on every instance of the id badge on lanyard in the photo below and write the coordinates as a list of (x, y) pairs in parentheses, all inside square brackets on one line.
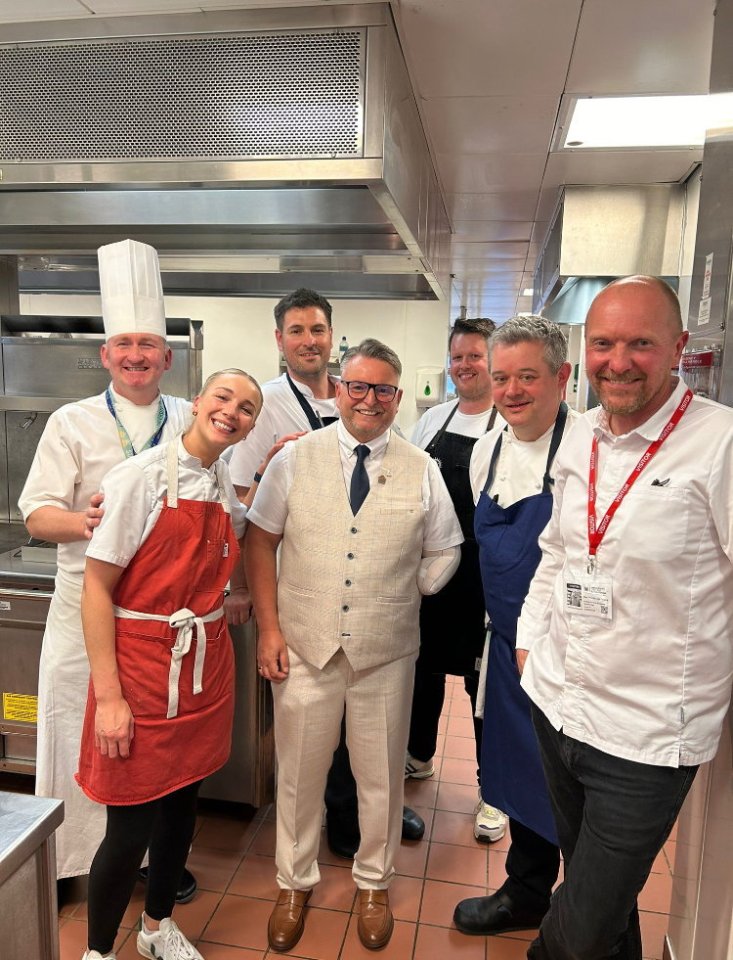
[(590, 594)]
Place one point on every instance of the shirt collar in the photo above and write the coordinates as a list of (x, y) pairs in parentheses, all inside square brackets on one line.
[(349, 443), (652, 427), (188, 459)]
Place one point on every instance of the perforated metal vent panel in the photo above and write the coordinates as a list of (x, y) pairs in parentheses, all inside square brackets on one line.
[(273, 95)]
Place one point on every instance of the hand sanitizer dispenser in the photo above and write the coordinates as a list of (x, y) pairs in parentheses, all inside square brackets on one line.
[(429, 387)]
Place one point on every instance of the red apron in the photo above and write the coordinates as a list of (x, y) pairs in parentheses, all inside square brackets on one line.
[(174, 655)]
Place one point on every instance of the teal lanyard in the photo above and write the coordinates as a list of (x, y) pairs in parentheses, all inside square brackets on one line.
[(125, 442)]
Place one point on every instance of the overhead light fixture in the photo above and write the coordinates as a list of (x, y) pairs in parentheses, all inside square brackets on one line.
[(528, 292), (628, 122)]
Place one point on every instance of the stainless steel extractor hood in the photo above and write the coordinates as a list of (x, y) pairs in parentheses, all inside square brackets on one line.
[(257, 150), (606, 232)]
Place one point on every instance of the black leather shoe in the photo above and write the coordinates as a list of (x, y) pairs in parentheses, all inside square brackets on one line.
[(186, 888), (343, 837), (413, 825), (484, 916)]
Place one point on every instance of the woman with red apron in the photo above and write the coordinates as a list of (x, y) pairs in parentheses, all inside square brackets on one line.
[(160, 705)]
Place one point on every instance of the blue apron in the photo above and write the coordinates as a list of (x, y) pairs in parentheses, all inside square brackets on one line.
[(509, 555)]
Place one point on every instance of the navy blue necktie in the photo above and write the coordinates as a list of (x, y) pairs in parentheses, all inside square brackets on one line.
[(359, 479)]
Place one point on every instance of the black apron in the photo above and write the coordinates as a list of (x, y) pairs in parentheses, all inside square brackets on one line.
[(315, 420), (452, 622), (509, 555)]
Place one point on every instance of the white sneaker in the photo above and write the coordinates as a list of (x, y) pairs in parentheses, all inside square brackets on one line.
[(167, 943), (417, 769), (96, 955), (490, 823)]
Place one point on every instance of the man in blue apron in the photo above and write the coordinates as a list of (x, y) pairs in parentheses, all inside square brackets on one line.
[(453, 622), (511, 479)]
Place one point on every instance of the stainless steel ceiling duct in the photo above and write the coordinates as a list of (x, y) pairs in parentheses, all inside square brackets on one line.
[(269, 144)]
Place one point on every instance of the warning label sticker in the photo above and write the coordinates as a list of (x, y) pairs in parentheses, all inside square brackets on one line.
[(20, 706)]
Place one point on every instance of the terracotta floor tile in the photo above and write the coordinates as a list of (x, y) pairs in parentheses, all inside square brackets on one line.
[(411, 859), (441, 943), (653, 929), (212, 868), (337, 890), (440, 899), (443, 723), (219, 951), (657, 894), (421, 793), (460, 727), (461, 747), (405, 895), (460, 797), (452, 827), (399, 947), (229, 834), (497, 871), (670, 852), (255, 878), (428, 814), (240, 922), (263, 841), (454, 864), (323, 938), (459, 771), (73, 939), (660, 864), (461, 707), (505, 948)]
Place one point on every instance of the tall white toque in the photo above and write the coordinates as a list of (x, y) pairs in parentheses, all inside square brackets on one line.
[(132, 293)]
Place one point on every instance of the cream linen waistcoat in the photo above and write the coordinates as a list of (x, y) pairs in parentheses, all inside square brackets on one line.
[(351, 581)]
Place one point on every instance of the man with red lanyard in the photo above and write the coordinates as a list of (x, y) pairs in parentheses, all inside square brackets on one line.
[(629, 619)]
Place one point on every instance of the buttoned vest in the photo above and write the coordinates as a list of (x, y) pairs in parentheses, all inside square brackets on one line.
[(350, 581)]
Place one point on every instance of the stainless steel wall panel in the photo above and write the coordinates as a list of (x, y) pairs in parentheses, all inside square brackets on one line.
[(23, 431)]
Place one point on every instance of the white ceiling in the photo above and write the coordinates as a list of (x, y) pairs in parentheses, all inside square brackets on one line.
[(490, 77)]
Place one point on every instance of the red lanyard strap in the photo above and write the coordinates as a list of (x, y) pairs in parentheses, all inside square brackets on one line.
[(596, 533)]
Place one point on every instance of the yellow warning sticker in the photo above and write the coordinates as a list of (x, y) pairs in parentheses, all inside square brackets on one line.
[(20, 706)]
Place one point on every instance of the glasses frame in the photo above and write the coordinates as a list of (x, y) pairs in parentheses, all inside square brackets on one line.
[(370, 386)]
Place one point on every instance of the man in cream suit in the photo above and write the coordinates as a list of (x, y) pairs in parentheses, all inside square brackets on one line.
[(366, 525)]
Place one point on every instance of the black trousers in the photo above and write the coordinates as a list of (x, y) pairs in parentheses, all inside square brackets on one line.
[(342, 808), (532, 866), (427, 705), (165, 827), (613, 817)]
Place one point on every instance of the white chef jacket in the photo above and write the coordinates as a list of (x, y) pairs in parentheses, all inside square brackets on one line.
[(521, 465), (464, 424), (281, 414), (653, 683), (79, 445), (270, 507), (134, 492)]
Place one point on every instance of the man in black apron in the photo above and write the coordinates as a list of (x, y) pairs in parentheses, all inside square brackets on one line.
[(512, 485), (452, 623), (300, 400)]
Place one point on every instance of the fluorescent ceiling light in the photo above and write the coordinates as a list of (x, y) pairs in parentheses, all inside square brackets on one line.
[(614, 122), (528, 292)]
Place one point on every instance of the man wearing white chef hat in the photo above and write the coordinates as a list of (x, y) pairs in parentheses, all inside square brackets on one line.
[(81, 442)]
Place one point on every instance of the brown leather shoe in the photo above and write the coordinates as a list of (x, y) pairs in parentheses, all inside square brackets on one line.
[(286, 923), (375, 919)]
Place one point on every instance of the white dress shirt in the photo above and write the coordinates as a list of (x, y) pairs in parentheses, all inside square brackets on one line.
[(653, 683), (78, 447), (133, 499), (281, 414), (270, 507)]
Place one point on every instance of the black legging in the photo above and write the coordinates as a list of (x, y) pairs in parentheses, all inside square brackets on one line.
[(163, 826)]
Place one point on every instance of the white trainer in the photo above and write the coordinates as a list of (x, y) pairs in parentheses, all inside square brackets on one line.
[(166, 943), (96, 955), (490, 823), (417, 769)]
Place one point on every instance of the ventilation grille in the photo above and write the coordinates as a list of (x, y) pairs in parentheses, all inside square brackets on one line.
[(273, 95)]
